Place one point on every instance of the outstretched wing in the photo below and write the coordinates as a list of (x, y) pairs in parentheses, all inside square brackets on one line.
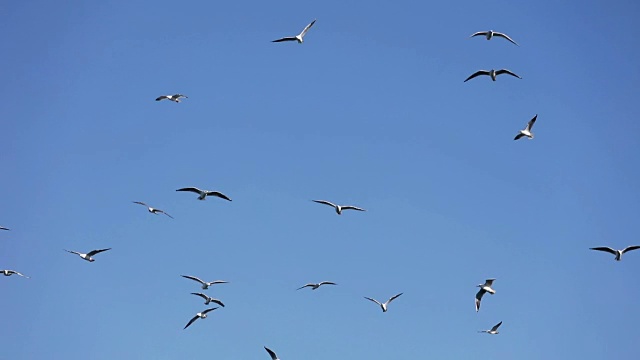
[(605, 249), (209, 310), (307, 285), (288, 38), (162, 211), (477, 73), (73, 252), (306, 28), (505, 71), (3, 228), (218, 194), (518, 136), (192, 189), (393, 298), (505, 36), (374, 300), (349, 207), (193, 278), (327, 283), (324, 202), (531, 122), (217, 302), (479, 298), (191, 321), (218, 282), (496, 326), (93, 252), (162, 97), (140, 202), (201, 295), (271, 353), (483, 33), (629, 248)]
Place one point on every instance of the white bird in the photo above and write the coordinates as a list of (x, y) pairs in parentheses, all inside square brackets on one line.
[(202, 194), (87, 256), (527, 130), (11, 272), (489, 34), (152, 210), (200, 315), (3, 228), (174, 98), (385, 304), (494, 330), (205, 284), (271, 353), (486, 287), (338, 208), (300, 37), (617, 253), (208, 299), (315, 286), (493, 73)]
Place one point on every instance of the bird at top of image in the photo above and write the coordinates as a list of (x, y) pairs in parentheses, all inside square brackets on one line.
[(11, 272), (271, 353), (200, 315), (484, 288), (527, 130), (300, 37), (384, 304), (490, 34), (617, 253), (152, 210), (494, 329), (492, 73), (87, 256), (205, 284), (338, 208), (314, 286), (202, 194), (175, 98)]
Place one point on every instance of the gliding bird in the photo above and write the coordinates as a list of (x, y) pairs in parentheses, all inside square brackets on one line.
[(527, 130), (489, 34), (208, 299), (205, 284), (494, 329), (174, 98), (11, 272), (338, 208), (385, 304), (486, 287), (200, 315), (492, 73), (315, 286), (152, 210), (87, 256), (202, 194), (617, 253), (300, 37)]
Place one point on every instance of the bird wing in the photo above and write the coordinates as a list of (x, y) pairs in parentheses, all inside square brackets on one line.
[(505, 36), (496, 326), (3, 228), (393, 298), (162, 211), (73, 252), (477, 73), (217, 302), (604, 248), (488, 282), (306, 285), (141, 203), (191, 321), (374, 300), (209, 310), (327, 283), (629, 248), (93, 252), (324, 202), (218, 194), (17, 273), (193, 278), (178, 96), (271, 353), (162, 97), (192, 189), (201, 295), (218, 282), (306, 28), (518, 136), (288, 38), (531, 122), (483, 33), (479, 298), (505, 71), (349, 207)]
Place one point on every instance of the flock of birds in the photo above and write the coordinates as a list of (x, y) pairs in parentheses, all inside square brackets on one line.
[(203, 194)]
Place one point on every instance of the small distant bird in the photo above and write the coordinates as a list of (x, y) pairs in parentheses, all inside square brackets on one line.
[(385, 304), (271, 353), (208, 299), (489, 34), (200, 315), (527, 130), (492, 73), (314, 286), (174, 98), (87, 256), (205, 284), (486, 287), (3, 228), (202, 194), (338, 208), (152, 210), (300, 37), (11, 272), (617, 253), (494, 330)]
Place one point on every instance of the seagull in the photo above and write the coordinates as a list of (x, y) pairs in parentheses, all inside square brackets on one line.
[(338, 208), (494, 330), (489, 34), (11, 272), (200, 315), (617, 253), (300, 37), (208, 299), (152, 210), (384, 305), (205, 285), (88, 256), (174, 98), (486, 287), (3, 228), (492, 73), (527, 130), (204, 193), (271, 353), (315, 286)]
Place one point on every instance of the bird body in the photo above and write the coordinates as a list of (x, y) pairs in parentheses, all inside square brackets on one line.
[(11, 272), (492, 73), (174, 98), (202, 194), (384, 305), (152, 210), (314, 286), (338, 208), (87, 256), (617, 253), (494, 329), (208, 299), (205, 284), (200, 315), (527, 130), (484, 288), (300, 37), (490, 34)]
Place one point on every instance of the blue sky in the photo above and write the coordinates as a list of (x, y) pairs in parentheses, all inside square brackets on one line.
[(372, 111)]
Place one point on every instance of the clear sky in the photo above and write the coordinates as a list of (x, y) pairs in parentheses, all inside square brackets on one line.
[(371, 111)]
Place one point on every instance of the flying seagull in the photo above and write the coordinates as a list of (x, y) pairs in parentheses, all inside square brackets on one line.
[(300, 37), (200, 315), (88, 256), (527, 131), (202, 194), (11, 272), (617, 253), (314, 286), (208, 299), (489, 34), (152, 210), (205, 285), (3, 228), (486, 287), (271, 353), (492, 73), (384, 305), (174, 98), (338, 208), (494, 330)]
